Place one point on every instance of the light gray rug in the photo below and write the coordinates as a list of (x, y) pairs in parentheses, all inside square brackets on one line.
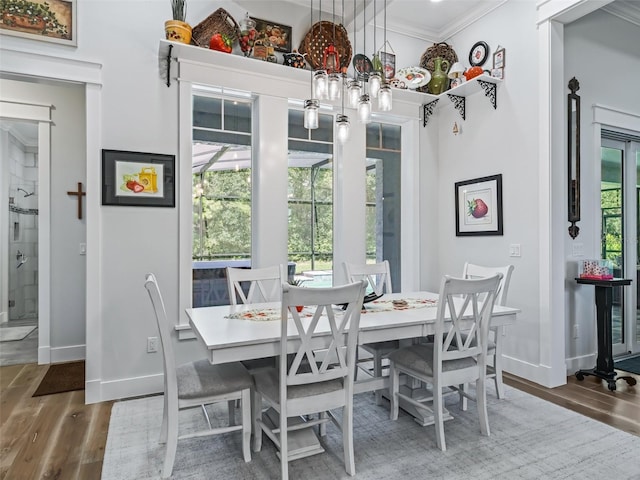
[(11, 334), (530, 439)]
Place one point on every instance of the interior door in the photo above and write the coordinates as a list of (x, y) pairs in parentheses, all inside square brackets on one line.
[(620, 209)]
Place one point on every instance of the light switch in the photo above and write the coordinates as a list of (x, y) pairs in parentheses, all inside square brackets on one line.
[(578, 249), (83, 249), (514, 250)]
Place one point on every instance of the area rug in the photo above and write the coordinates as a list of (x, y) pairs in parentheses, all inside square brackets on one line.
[(530, 439), (62, 377), (631, 364), (11, 334)]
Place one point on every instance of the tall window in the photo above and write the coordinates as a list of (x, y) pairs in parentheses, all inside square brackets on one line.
[(310, 199), (383, 187), (221, 178)]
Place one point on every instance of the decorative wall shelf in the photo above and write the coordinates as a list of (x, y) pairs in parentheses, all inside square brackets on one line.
[(458, 95)]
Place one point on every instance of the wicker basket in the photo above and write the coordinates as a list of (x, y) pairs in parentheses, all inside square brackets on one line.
[(436, 50), (218, 22), (320, 37)]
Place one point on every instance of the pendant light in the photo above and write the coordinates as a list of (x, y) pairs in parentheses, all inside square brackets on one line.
[(385, 99), (312, 105), (331, 61), (342, 121), (364, 103), (375, 79), (320, 77), (354, 88)]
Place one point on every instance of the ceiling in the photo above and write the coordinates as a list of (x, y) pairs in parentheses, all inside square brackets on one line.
[(429, 20)]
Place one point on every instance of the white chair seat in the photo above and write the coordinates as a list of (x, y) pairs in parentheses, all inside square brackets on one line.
[(201, 379), (268, 382)]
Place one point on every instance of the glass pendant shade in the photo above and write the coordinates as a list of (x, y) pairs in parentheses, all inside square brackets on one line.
[(364, 108), (384, 98), (355, 91), (342, 124), (320, 84), (334, 86), (375, 81), (311, 114)]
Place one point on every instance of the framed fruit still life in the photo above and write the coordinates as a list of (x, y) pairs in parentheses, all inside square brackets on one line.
[(138, 179), (479, 206), (276, 35)]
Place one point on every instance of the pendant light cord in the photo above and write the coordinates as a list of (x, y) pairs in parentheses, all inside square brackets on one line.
[(375, 28)]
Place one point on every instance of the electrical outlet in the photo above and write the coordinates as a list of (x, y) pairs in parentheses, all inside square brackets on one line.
[(575, 331), (152, 344)]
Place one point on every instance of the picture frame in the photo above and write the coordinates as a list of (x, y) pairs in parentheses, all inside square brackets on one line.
[(279, 35), (497, 73), (137, 179), (388, 61), (45, 20), (499, 58), (478, 205)]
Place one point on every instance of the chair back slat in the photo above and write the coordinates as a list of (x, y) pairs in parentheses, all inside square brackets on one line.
[(265, 284), (471, 271), (377, 275), (151, 284), (463, 318), (309, 364)]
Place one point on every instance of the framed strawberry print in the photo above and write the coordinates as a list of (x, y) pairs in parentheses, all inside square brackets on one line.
[(138, 179), (479, 206)]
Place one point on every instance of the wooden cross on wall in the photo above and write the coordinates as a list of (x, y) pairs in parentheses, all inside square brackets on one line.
[(79, 194)]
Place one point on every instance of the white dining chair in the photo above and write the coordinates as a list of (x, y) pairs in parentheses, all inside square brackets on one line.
[(196, 384), (378, 277), (312, 381), (456, 357), (496, 334)]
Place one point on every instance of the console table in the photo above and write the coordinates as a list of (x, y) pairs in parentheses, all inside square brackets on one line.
[(604, 368)]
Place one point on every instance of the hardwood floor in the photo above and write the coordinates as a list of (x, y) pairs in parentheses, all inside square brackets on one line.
[(59, 437)]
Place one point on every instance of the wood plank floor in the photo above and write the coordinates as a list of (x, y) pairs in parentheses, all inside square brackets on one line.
[(59, 437)]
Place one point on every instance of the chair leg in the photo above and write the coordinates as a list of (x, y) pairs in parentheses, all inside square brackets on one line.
[(481, 400), (347, 439), (231, 406), (377, 373), (464, 401), (172, 443), (437, 412), (394, 388), (163, 427), (284, 444), (497, 363), (256, 406), (322, 428), (246, 424)]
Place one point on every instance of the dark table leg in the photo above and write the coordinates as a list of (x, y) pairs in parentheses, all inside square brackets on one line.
[(604, 364)]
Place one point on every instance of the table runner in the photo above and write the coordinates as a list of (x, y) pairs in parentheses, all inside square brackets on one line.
[(270, 314)]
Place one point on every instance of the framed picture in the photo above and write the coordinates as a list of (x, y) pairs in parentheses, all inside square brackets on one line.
[(497, 73), (498, 58), (388, 61), (48, 20), (279, 36), (138, 179), (479, 206)]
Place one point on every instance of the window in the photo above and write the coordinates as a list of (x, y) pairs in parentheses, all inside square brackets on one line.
[(310, 199), (383, 197), (221, 169)]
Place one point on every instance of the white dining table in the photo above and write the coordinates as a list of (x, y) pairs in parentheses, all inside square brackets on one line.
[(229, 336), (230, 339)]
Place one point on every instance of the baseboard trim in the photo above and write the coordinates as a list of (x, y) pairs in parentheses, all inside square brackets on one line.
[(67, 354), (129, 387)]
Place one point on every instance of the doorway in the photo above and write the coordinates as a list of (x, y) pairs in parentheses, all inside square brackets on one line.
[(620, 210), (19, 164)]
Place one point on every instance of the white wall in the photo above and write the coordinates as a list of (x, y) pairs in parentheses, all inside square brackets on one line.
[(595, 45)]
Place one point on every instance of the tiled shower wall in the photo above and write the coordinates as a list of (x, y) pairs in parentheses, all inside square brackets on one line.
[(23, 231)]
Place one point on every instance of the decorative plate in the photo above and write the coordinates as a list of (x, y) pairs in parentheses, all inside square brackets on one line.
[(414, 77), (362, 64), (478, 54)]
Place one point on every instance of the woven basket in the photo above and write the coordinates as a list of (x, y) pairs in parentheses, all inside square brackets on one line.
[(436, 50), (320, 37), (218, 22)]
